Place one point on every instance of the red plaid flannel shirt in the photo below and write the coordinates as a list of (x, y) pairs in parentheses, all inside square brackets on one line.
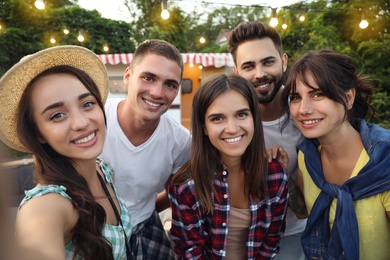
[(199, 236)]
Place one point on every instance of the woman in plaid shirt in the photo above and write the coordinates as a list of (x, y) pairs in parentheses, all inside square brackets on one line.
[(227, 201)]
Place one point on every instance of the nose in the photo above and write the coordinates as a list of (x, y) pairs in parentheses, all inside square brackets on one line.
[(305, 107), (157, 91), (260, 72), (231, 126), (79, 121)]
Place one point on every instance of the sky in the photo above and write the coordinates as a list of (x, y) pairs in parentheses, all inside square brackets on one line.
[(114, 9)]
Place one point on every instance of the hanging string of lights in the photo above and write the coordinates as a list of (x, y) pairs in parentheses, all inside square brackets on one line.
[(273, 19), (40, 4)]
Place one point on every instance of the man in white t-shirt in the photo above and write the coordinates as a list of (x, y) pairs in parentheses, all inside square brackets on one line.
[(258, 56), (145, 146)]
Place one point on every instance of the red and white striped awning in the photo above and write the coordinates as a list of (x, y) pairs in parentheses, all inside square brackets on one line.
[(205, 59)]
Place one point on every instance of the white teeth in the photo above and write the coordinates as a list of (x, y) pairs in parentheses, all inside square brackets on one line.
[(152, 104), (263, 86), (232, 140), (309, 122), (85, 139)]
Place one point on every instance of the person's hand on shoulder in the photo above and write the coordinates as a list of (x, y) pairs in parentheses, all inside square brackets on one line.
[(278, 153)]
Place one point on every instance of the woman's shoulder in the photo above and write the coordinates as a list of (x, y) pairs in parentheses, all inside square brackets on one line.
[(184, 188), (276, 170), (107, 170), (183, 192), (48, 200), (277, 178), (41, 190)]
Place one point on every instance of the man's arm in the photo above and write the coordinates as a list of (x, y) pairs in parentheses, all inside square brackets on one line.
[(162, 201), (296, 201)]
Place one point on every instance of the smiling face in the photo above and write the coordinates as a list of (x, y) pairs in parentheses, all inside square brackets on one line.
[(68, 117), (314, 114), (229, 128), (153, 83), (259, 62)]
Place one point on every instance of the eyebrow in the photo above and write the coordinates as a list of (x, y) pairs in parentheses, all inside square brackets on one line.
[(61, 103), (150, 74), (262, 60), (221, 114)]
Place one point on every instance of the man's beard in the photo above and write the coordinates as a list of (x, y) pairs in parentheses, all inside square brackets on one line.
[(266, 97)]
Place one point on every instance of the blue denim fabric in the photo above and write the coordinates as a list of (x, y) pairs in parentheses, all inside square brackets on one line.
[(342, 242)]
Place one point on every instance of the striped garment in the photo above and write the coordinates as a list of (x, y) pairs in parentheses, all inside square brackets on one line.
[(199, 236)]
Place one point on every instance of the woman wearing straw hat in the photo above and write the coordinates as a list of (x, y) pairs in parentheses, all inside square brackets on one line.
[(52, 106)]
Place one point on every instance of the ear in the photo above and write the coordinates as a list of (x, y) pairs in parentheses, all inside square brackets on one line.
[(284, 62), (41, 140), (350, 95), (205, 131), (127, 75), (235, 69)]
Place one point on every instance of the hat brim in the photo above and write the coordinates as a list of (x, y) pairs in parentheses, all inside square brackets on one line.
[(15, 80)]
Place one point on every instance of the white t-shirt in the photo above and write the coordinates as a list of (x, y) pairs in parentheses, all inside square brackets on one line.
[(141, 171), (289, 139)]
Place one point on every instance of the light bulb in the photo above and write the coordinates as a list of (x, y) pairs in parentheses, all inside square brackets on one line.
[(363, 24), (165, 14), (39, 4), (274, 22), (80, 38)]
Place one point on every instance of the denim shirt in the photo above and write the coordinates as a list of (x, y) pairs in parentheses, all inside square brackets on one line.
[(342, 242)]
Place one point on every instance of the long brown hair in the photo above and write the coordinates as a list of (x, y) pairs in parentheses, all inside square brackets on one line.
[(54, 168), (205, 158)]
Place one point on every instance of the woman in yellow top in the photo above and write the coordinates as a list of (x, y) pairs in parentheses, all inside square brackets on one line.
[(344, 167)]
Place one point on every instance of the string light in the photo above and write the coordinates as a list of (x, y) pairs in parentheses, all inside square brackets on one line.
[(274, 20), (363, 23), (52, 40), (106, 48), (80, 38), (202, 40), (39, 4), (66, 31), (164, 13), (302, 18)]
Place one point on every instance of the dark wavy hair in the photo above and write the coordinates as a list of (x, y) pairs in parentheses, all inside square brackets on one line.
[(335, 74), (54, 168), (205, 158)]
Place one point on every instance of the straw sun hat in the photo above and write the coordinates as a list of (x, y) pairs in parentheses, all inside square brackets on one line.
[(16, 79)]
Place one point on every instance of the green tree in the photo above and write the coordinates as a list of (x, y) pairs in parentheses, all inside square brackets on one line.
[(26, 29), (148, 24)]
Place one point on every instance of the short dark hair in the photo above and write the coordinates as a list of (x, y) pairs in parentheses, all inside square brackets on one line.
[(248, 31), (158, 47)]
